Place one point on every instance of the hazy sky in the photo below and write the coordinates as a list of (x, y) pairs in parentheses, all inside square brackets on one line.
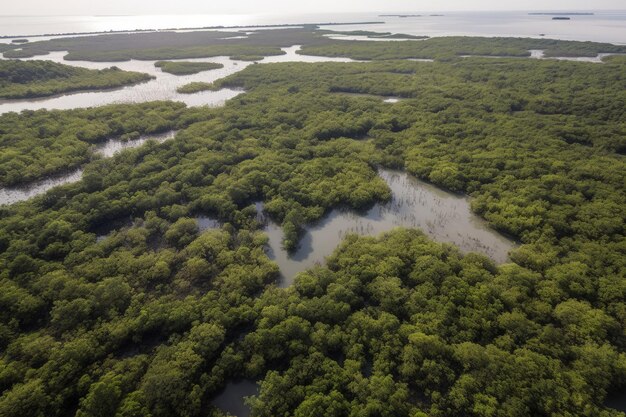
[(90, 7)]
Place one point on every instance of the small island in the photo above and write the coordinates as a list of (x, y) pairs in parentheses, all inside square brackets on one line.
[(196, 87), (186, 67), (30, 79), (561, 18), (376, 35)]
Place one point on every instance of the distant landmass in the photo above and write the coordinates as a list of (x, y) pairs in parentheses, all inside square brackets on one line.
[(561, 14), (400, 15), (561, 18)]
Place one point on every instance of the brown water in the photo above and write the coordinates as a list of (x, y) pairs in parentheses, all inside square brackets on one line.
[(162, 87), (113, 146), (442, 216)]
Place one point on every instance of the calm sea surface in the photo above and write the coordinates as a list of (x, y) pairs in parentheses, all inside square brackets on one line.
[(603, 26)]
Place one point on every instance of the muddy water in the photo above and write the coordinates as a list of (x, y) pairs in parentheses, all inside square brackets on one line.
[(442, 216), (162, 87), (109, 148)]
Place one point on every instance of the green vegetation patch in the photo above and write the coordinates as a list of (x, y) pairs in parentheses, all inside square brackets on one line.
[(155, 319), (250, 58), (187, 68), (409, 327), (28, 79), (196, 87), (199, 44), (448, 47), (37, 144)]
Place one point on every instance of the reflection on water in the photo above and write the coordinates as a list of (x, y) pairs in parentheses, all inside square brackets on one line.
[(109, 148), (162, 87), (603, 26), (366, 38), (113, 146), (444, 217), (231, 400), (12, 195), (385, 99), (540, 54)]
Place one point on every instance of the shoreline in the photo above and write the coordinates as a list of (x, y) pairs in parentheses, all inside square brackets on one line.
[(112, 32)]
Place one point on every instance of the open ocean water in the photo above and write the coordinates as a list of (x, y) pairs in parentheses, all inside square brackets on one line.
[(602, 26)]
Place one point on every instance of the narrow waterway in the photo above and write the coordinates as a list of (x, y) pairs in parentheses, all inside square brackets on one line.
[(10, 195), (540, 54), (442, 216)]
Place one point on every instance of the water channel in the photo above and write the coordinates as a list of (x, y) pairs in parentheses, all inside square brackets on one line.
[(10, 195), (162, 87)]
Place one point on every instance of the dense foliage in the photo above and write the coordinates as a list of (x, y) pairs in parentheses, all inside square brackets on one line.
[(401, 326), (186, 68), (27, 79), (196, 87), (198, 44), (444, 48), (36, 144), (377, 35), (154, 318)]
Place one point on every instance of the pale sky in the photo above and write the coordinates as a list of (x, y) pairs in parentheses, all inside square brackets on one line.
[(90, 7)]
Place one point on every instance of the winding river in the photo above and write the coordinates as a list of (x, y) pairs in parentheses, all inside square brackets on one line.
[(10, 195), (162, 87)]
